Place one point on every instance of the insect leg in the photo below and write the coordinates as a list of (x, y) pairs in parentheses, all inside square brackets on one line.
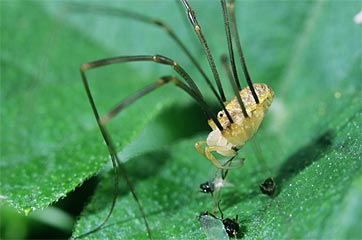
[(208, 153), (192, 17), (190, 88), (239, 49), (199, 145), (235, 79), (152, 21), (233, 84), (115, 162)]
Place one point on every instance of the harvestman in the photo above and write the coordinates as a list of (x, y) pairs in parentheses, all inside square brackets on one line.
[(235, 124)]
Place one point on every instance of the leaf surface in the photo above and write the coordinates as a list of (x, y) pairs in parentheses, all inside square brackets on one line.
[(308, 52)]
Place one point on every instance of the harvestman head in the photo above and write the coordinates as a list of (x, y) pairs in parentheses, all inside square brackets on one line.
[(236, 123)]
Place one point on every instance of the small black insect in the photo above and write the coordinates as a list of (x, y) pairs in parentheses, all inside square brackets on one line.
[(268, 186), (231, 226), (207, 187), (219, 181)]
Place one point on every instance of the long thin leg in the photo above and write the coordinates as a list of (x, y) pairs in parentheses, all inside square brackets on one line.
[(235, 79), (163, 80), (260, 158), (192, 17), (138, 17), (191, 89), (115, 160), (240, 51), (230, 44), (226, 67), (200, 35)]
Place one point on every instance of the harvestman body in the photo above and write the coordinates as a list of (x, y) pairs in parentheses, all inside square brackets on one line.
[(235, 124), (234, 135)]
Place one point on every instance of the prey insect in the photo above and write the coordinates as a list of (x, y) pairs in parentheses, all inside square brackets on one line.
[(218, 182), (238, 120), (219, 228), (268, 187)]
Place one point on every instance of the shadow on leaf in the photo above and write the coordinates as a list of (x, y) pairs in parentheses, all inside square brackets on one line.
[(303, 158)]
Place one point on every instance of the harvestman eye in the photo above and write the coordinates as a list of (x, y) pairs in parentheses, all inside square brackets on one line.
[(237, 123)]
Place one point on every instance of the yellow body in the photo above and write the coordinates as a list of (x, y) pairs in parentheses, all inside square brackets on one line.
[(234, 135)]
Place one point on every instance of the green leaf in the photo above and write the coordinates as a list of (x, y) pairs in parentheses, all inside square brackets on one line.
[(308, 52)]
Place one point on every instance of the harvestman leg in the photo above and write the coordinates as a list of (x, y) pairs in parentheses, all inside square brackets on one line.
[(190, 88), (151, 21), (235, 80), (234, 29), (231, 8), (231, 36)]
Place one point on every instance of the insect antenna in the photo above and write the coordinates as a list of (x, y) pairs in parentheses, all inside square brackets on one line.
[(234, 28)]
